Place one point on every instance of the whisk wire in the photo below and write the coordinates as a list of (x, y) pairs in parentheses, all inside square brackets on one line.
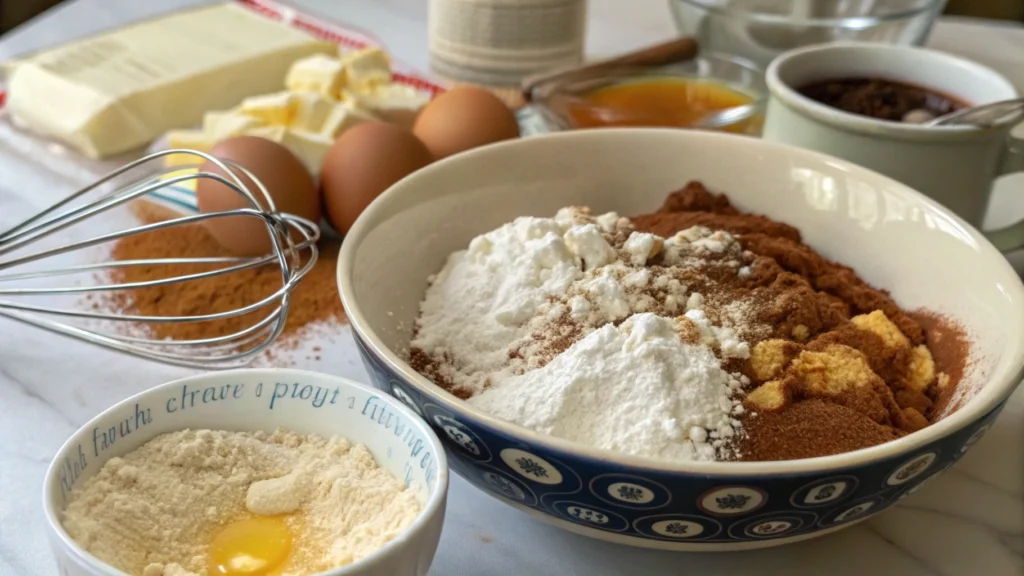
[(293, 252)]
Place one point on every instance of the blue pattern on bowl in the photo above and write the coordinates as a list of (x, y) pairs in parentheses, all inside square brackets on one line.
[(667, 506)]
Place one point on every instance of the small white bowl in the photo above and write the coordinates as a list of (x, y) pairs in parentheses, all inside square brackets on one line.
[(263, 400)]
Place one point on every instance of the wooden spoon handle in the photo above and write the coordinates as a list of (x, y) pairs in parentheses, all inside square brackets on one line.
[(678, 50)]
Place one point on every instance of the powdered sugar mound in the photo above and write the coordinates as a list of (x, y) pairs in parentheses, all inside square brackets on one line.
[(678, 402)]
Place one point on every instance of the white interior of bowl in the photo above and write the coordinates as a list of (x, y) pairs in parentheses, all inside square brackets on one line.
[(892, 236), (249, 401)]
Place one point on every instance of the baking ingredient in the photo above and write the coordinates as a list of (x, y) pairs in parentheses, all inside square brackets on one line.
[(219, 126), (364, 162), (811, 429), (323, 97), (342, 117), (883, 99), (636, 388), (316, 74), (186, 140), (251, 545), (643, 335), (553, 324), (286, 180), (842, 366), (314, 301), (395, 103), (462, 118), (189, 502), (672, 102), (309, 147), (366, 69), (117, 91)]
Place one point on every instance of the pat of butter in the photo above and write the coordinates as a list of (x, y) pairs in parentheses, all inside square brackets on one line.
[(310, 148), (275, 133), (117, 91), (189, 140), (366, 68), (310, 110), (396, 103), (218, 126), (344, 116), (273, 109), (188, 183), (317, 73)]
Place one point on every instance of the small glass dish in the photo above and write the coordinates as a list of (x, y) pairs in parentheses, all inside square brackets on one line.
[(711, 92), (760, 30)]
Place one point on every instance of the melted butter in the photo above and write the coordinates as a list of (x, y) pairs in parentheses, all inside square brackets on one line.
[(257, 546), (666, 102)]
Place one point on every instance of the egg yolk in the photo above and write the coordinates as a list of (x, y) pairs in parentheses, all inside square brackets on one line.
[(250, 547)]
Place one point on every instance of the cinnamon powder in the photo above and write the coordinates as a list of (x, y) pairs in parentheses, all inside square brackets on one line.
[(315, 299)]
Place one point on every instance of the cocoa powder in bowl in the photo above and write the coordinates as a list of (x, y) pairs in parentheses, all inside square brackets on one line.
[(823, 309), (315, 299)]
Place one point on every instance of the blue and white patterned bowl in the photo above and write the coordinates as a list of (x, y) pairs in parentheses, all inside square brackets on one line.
[(894, 237)]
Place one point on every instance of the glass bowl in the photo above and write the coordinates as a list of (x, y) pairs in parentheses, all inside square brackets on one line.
[(759, 30), (712, 91)]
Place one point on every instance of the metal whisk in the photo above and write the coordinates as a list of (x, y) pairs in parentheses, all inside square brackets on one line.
[(294, 253)]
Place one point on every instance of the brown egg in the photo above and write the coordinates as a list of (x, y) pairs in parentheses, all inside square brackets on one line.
[(463, 118), (288, 182), (365, 161)]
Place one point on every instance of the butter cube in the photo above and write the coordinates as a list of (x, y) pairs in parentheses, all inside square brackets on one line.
[(310, 147), (189, 184), (219, 126), (344, 116), (318, 73), (274, 109), (311, 110), (189, 140), (274, 133), (366, 68), (395, 103)]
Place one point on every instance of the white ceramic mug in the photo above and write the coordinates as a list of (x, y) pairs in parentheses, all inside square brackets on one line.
[(954, 165)]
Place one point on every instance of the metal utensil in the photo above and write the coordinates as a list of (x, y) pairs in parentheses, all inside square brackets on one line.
[(984, 116), (294, 254)]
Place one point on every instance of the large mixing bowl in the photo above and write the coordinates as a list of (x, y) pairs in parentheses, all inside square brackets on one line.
[(893, 236), (760, 30)]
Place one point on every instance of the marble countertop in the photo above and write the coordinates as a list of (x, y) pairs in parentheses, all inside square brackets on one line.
[(968, 521)]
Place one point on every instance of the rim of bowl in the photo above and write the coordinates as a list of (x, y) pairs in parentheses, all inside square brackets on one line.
[(842, 22), (990, 395), (555, 91), (433, 505), (789, 96)]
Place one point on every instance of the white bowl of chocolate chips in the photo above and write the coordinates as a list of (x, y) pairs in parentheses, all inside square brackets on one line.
[(667, 368)]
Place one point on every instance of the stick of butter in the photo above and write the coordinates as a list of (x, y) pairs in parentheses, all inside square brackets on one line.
[(118, 91)]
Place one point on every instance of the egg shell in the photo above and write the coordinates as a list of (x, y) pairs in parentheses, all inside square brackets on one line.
[(464, 118), (288, 182), (365, 161)]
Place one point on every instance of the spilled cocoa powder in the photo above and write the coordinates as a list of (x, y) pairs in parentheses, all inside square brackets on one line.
[(314, 300)]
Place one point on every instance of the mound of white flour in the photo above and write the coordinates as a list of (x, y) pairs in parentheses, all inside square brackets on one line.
[(560, 325)]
